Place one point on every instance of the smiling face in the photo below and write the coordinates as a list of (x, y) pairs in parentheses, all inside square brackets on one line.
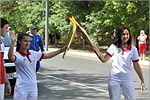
[(125, 36), (4, 30), (24, 43)]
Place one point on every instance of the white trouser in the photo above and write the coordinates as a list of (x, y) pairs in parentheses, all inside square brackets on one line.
[(2, 90), (115, 90), (18, 95)]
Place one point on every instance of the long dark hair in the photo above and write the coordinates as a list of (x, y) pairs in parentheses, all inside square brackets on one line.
[(117, 38), (3, 22), (20, 37)]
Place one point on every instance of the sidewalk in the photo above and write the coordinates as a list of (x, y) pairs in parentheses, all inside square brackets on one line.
[(142, 62)]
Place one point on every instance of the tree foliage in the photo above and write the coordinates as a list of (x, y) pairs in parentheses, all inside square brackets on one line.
[(100, 18), (133, 14)]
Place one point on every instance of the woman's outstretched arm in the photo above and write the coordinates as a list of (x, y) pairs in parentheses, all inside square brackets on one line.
[(54, 53), (103, 58)]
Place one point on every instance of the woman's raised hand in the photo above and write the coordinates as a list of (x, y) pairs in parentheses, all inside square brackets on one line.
[(13, 36)]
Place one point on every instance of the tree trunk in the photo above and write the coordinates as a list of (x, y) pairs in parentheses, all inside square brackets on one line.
[(55, 40), (83, 42), (133, 40)]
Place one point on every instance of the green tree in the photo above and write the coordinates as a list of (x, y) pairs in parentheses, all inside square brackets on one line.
[(99, 18), (22, 14), (133, 14)]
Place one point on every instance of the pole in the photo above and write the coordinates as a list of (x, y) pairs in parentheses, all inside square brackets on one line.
[(46, 27)]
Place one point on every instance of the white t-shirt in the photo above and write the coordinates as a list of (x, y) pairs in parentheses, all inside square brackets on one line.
[(142, 39), (121, 69), (26, 70)]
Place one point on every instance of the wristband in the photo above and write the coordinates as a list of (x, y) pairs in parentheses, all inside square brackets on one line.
[(6, 83)]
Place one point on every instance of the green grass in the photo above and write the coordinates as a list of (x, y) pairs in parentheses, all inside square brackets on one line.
[(147, 58)]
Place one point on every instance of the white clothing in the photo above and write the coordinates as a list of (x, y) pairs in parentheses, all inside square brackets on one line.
[(142, 39), (121, 69), (26, 71), (2, 90), (115, 90), (121, 75), (19, 95)]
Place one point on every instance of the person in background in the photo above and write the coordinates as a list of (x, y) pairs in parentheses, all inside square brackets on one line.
[(25, 61), (4, 83), (6, 40), (121, 74), (36, 42), (142, 44)]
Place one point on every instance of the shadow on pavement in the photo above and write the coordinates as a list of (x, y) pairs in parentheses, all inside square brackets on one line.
[(64, 86)]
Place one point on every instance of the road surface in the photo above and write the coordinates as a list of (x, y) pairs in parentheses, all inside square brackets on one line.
[(80, 78)]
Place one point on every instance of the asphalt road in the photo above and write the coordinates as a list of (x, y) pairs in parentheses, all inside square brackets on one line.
[(80, 78)]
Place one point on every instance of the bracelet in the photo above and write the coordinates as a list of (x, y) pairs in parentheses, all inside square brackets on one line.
[(6, 83), (62, 50)]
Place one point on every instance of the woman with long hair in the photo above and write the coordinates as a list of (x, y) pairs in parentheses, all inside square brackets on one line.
[(121, 75)]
